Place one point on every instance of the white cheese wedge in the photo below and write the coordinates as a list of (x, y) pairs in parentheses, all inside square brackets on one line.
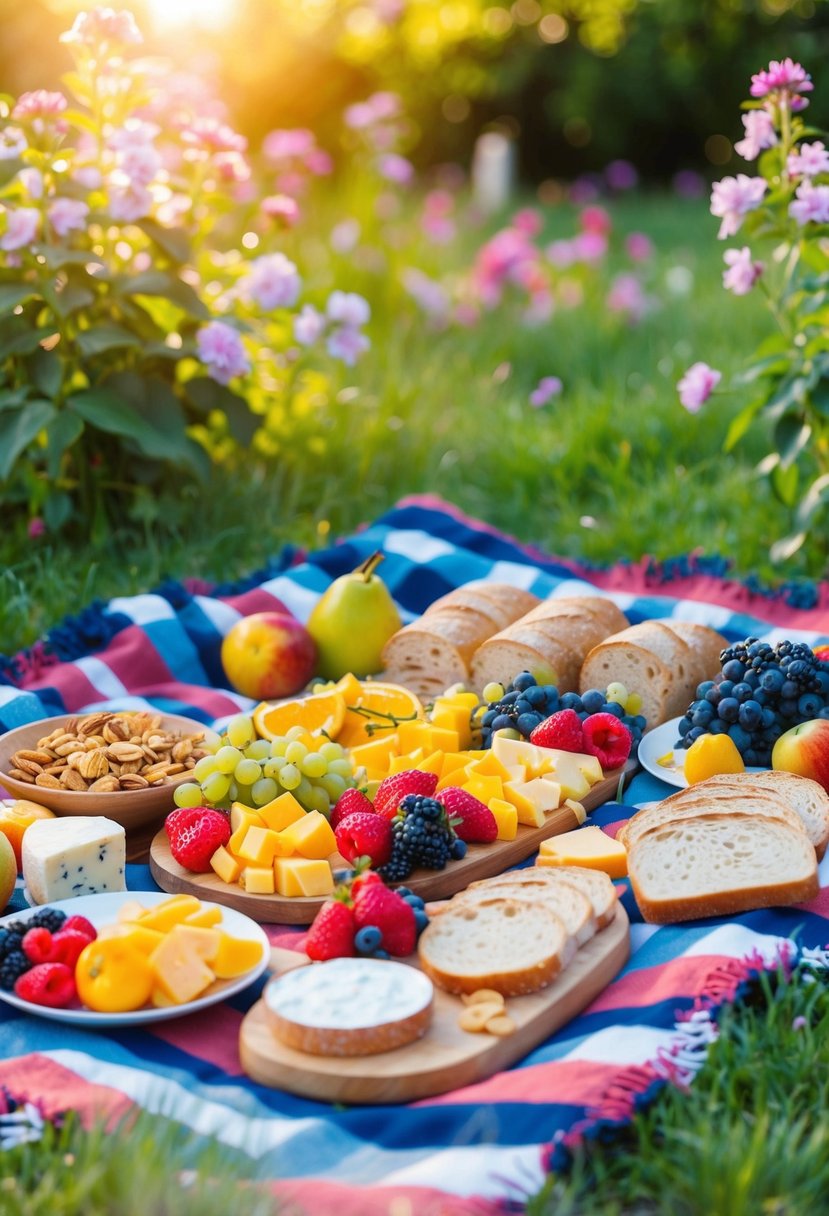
[(81, 855)]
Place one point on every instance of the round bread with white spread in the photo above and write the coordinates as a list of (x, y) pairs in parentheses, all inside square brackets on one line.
[(349, 1007)]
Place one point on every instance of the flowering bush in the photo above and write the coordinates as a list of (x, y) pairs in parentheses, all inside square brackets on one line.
[(786, 205), (135, 335)]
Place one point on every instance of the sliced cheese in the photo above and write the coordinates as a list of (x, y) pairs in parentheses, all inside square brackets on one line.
[(588, 847), (77, 855)]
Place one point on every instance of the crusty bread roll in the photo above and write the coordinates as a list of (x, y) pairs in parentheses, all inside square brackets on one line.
[(596, 607), (706, 646), (514, 946), (697, 800), (806, 797), (719, 864)]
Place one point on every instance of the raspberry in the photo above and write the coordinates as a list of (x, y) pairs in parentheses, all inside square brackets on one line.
[(195, 834), (365, 834), (608, 739), (563, 730), (332, 933), (348, 802), (376, 905), (38, 946), (394, 789), (471, 819), (79, 924), (50, 984), (68, 946)]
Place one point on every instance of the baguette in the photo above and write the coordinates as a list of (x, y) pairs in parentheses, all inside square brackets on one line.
[(596, 607), (805, 796), (705, 643), (640, 670)]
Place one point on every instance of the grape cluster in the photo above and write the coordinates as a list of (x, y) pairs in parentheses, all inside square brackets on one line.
[(524, 704), (422, 836), (254, 771), (760, 693)]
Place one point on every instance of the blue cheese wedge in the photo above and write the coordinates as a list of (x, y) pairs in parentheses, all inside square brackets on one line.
[(81, 855)]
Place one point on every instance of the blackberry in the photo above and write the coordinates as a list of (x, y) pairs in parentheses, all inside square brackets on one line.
[(12, 967), (421, 836), (47, 918), (9, 941)]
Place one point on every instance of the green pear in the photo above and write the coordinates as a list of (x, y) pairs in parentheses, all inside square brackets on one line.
[(352, 621)]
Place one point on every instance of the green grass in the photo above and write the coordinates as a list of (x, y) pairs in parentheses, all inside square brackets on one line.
[(614, 468)]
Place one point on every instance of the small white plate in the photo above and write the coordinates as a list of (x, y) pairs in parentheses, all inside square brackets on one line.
[(660, 742), (103, 910)]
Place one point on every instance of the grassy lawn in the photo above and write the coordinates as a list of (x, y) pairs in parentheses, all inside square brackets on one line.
[(612, 468)]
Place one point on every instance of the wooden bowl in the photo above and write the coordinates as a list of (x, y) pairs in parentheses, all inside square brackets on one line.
[(131, 808)]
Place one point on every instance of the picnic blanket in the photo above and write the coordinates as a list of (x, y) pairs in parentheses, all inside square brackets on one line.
[(485, 1148)]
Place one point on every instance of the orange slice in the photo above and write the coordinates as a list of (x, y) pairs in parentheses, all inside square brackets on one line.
[(374, 713), (319, 713)]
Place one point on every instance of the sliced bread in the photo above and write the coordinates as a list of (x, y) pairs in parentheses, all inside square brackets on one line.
[(593, 883), (702, 802), (705, 643), (513, 946), (568, 903), (805, 796), (720, 864), (500, 658), (639, 669)]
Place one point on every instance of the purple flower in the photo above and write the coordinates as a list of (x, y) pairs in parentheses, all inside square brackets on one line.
[(282, 208), (347, 344), (347, 308), (345, 235), (808, 160), (12, 143), (621, 175), (396, 169), (742, 272), (134, 133), (272, 281), (430, 296), (32, 181), (288, 145), (697, 385), (547, 388), (128, 202), (810, 203), (35, 528), (67, 214), (759, 134), (627, 296), (799, 1023), (688, 183), (783, 82), (308, 325), (638, 246), (561, 254), (222, 352), (22, 224), (103, 25), (139, 163), (734, 197)]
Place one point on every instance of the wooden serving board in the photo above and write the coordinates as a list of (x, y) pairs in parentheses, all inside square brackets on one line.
[(481, 861), (446, 1057)]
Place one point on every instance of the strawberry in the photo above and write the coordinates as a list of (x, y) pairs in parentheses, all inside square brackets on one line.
[(68, 945), (195, 834), (350, 800), (38, 946), (562, 730), (50, 984), (365, 834), (364, 879), (79, 924), (332, 933), (477, 823), (375, 904), (392, 790), (608, 739)]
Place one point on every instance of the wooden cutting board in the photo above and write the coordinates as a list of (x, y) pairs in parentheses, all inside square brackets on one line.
[(481, 861), (446, 1058)]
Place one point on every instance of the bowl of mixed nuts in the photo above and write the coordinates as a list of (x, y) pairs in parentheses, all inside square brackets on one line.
[(122, 765)]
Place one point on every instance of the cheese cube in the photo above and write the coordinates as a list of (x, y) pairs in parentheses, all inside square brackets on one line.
[(180, 973), (452, 717), (452, 761), (226, 865), (469, 700), (506, 816), (414, 734), (546, 794), (562, 764), (257, 880), (235, 956), (519, 751), (282, 812), (240, 832), (432, 764), (261, 845), (445, 739), (484, 788), (377, 753), (302, 876), (589, 847), (400, 764), (205, 942), (76, 855), (489, 766), (130, 909), (526, 808), (241, 814), (312, 836)]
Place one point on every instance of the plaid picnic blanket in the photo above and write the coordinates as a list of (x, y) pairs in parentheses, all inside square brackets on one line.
[(482, 1149)]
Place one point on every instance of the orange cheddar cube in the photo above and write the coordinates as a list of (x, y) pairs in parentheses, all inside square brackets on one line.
[(226, 866), (399, 764), (296, 876), (261, 845), (489, 766), (506, 816), (235, 956), (238, 835), (241, 814), (181, 974), (441, 737), (310, 837), (415, 734), (484, 787), (589, 847), (281, 813), (526, 808), (375, 754)]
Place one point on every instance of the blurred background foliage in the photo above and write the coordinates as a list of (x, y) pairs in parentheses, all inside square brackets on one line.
[(578, 83)]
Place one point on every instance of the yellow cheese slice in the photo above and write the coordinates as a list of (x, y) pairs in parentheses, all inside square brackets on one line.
[(589, 847)]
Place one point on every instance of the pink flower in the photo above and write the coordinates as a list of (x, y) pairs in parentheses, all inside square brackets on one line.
[(697, 385), (308, 325), (396, 169), (36, 527), (358, 116), (547, 388), (595, 219), (734, 197), (561, 254), (22, 224), (88, 176), (67, 214), (32, 182), (347, 344), (627, 296), (590, 246), (742, 272), (134, 133), (288, 145), (282, 208), (437, 221), (221, 350), (213, 135), (783, 82), (232, 167), (139, 162), (759, 134), (39, 104), (347, 308), (319, 162), (799, 1023), (621, 175), (528, 222), (272, 281), (429, 295), (808, 160), (345, 235), (103, 25), (128, 202), (810, 203), (12, 143), (638, 246)]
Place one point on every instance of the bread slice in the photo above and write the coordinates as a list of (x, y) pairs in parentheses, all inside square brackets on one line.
[(805, 796), (434, 651), (640, 670), (593, 883), (568, 903), (579, 633), (720, 864), (706, 802), (513, 946), (705, 643), (501, 657)]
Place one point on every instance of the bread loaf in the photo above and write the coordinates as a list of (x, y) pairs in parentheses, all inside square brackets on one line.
[(706, 646), (639, 669), (806, 797)]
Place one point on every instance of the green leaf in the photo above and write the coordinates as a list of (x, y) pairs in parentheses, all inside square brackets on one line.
[(46, 370), (791, 434), (17, 430), (171, 241), (76, 293), (11, 399), (55, 257), (157, 404), (741, 423), (76, 84), (819, 397), (242, 423), (791, 391), (771, 365), (101, 338), (169, 287), (784, 483), (66, 429), (20, 339), (106, 410), (9, 170), (81, 120), (57, 510), (205, 394), (12, 294)]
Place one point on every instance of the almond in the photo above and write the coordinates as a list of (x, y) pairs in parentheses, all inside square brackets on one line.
[(93, 764), (48, 781), (71, 779), (124, 752)]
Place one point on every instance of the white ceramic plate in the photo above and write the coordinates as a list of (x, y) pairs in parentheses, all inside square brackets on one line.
[(103, 910), (658, 743)]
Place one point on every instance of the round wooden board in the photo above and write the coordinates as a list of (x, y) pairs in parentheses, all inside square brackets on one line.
[(447, 1057), (481, 861)]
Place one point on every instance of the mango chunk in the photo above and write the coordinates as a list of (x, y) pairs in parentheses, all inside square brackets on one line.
[(235, 956), (170, 912), (143, 939), (312, 836), (506, 816), (205, 918), (297, 876), (489, 766), (399, 764), (180, 973), (412, 735), (375, 754), (432, 764), (204, 942)]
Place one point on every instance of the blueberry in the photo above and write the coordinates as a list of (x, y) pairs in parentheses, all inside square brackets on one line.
[(789, 691), (750, 716), (522, 706), (739, 737), (502, 722), (726, 688), (381, 954), (368, 939), (421, 920), (523, 681), (713, 695), (571, 700), (489, 717), (458, 849), (536, 696), (734, 670), (414, 901), (703, 716), (509, 698), (742, 692), (704, 688), (684, 727), (592, 700), (810, 705), (613, 707), (527, 723), (344, 875)]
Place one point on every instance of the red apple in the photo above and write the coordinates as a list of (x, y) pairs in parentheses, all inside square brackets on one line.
[(269, 655), (805, 750)]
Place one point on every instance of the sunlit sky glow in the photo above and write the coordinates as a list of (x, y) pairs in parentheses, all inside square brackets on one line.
[(190, 12)]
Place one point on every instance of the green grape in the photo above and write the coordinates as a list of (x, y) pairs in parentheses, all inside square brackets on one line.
[(289, 776), (188, 795), (493, 692), (295, 751), (240, 731), (204, 767), (244, 795), (317, 800), (295, 732), (279, 746), (215, 788), (342, 768), (272, 767), (333, 785), (247, 771), (303, 791), (227, 758), (617, 692), (332, 751), (233, 791), (260, 749), (264, 790), (313, 765)]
